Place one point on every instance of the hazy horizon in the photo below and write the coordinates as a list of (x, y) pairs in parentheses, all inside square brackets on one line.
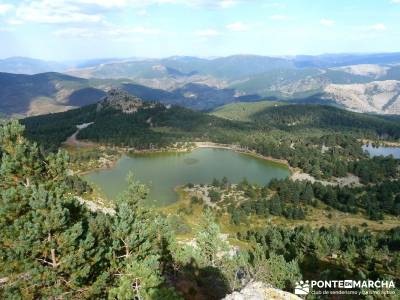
[(195, 56), (66, 30)]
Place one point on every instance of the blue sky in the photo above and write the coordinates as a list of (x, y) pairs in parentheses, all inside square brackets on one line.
[(81, 29)]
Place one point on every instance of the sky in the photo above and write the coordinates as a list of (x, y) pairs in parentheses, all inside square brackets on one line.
[(84, 29)]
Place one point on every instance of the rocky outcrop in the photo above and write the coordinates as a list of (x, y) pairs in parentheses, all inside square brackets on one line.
[(261, 291), (377, 96), (120, 100)]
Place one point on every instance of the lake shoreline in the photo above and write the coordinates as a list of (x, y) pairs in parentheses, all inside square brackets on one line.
[(295, 173), (380, 143), (197, 145), (210, 163), (243, 151)]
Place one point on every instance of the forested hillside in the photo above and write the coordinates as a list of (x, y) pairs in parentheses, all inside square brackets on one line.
[(53, 246), (296, 117), (161, 125), (296, 133)]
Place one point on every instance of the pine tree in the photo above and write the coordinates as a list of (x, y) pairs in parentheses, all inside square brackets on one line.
[(210, 246), (274, 270), (138, 245), (46, 247)]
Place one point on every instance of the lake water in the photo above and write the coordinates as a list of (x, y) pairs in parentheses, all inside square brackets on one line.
[(384, 151), (164, 171)]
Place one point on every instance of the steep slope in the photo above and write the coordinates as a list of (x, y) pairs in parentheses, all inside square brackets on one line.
[(363, 88), (55, 92), (122, 119), (377, 96), (152, 124), (292, 83), (43, 93), (121, 101), (302, 117), (281, 82), (356, 82)]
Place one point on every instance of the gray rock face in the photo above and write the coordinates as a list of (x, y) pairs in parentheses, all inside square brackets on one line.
[(121, 100), (378, 96), (261, 291)]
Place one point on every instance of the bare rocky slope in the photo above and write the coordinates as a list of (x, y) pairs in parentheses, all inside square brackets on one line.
[(376, 97)]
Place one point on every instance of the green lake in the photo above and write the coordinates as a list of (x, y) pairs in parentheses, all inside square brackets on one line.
[(162, 172)]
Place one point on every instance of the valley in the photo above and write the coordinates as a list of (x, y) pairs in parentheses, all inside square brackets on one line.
[(166, 147), (199, 150), (358, 83), (254, 176)]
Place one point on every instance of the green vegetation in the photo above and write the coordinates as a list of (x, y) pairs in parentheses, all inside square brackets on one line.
[(242, 111), (52, 246), (333, 253), (306, 136), (153, 245), (293, 199), (148, 127), (320, 140)]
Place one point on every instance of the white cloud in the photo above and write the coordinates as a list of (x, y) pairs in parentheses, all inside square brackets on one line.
[(237, 26), (378, 26), (207, 33), (107, 31), (84, 11), (327, 22), (5, 8), (75, 33), (14, 22), (132, 30), (143, 12), (279, 17), (275, 5), (227, 3), (395, 1), (103, 3), (143, 3), (56, 11)]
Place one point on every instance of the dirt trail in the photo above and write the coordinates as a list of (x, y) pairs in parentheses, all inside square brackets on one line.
[(74, 142)]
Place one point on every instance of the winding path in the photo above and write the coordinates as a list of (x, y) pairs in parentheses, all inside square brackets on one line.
[(74, 142)]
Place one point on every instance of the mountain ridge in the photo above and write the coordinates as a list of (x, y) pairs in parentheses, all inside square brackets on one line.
[(345, 80)]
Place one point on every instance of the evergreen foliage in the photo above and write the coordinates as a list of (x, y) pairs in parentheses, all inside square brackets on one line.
[(52, 246)]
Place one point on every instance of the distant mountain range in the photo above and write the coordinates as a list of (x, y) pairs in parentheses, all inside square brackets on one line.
[(230, 67), (359, 82), (25, 65), (27, 95)]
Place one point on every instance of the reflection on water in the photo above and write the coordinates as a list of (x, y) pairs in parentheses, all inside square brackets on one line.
[(190, 161), (384, 151), (165, 171)]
